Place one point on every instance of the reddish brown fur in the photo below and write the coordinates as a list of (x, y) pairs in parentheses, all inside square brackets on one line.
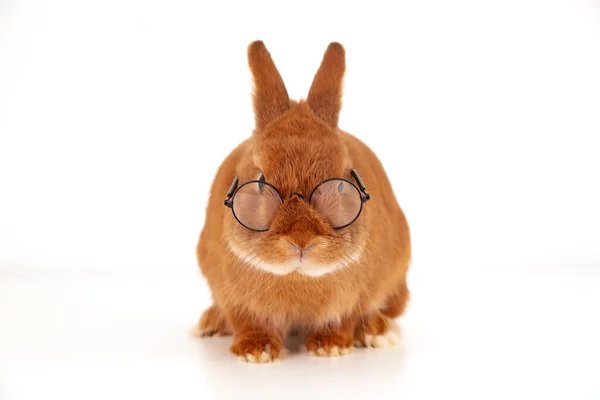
[(374, 324), (296, 145), (212, 323), (325, 96)]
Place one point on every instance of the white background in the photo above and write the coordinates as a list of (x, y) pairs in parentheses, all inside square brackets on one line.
[(115, 115)]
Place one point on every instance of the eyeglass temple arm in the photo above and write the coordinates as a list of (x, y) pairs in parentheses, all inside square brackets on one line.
[(366, 196), (232, 189)]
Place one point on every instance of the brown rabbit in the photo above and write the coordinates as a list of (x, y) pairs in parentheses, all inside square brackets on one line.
[(300, 242)]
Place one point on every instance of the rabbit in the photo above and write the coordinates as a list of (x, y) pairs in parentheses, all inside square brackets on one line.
[(292, 238)]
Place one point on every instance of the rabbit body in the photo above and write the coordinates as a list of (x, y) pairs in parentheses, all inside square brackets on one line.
[(343, 286)]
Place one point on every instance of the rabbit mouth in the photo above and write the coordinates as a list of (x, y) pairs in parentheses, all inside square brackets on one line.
[(300, 263), (299, 266)]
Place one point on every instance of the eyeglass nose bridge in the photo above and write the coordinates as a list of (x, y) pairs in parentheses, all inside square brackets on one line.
[(296, 194)]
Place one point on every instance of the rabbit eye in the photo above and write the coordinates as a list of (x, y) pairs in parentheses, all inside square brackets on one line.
[(261, 186), (338, 201)]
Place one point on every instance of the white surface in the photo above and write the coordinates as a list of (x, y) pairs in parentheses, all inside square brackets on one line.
[(470, 335)]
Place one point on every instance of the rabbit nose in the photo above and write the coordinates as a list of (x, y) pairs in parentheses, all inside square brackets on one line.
[(298, 248)]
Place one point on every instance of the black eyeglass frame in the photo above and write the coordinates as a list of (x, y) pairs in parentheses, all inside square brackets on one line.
[(361, 189)]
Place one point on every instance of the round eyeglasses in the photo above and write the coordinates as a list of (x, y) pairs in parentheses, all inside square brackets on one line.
[(337, 200)]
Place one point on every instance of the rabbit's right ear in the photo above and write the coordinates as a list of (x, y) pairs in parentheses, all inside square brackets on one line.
[(270, 95), (325, 95)]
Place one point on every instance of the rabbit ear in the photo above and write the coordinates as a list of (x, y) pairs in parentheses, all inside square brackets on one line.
[(270, 95), (325, 95)]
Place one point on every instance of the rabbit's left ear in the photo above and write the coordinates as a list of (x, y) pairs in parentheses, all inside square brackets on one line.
[(325, 95), (270, 95)]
